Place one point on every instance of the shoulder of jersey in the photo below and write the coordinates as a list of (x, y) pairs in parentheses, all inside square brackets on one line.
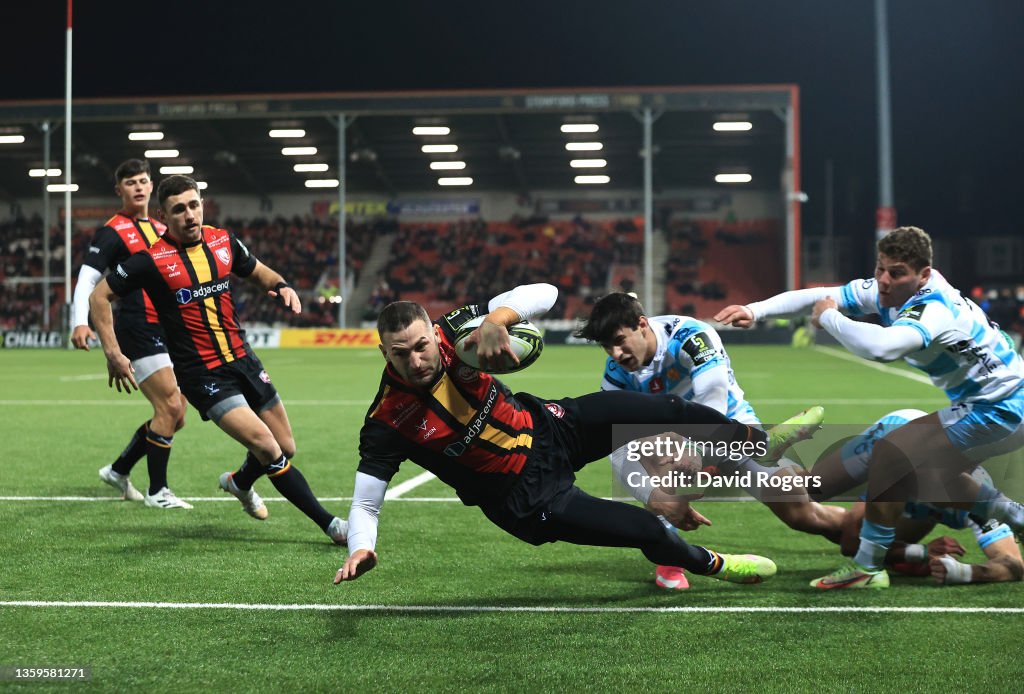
[(119, 223), (687, 327)]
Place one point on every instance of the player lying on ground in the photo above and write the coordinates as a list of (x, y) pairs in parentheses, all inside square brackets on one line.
[(931, 325), (514, 456), (939, 557), (850, 463), (685, 357)]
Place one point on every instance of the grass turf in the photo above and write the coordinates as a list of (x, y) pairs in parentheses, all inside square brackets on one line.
[(434, 553)]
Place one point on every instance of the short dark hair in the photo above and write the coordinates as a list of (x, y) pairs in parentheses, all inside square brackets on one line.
[(129, 168), (910, 245), (399, 315), (610, 314), (175, 185)]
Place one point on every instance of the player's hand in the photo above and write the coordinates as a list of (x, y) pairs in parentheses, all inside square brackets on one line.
[(358, 563), (676, 455), (492, 346), (735, 315), (945, 545), (120, 372), (80, 337), (820, 306), (691, 519), (287, 298), (676, 509)]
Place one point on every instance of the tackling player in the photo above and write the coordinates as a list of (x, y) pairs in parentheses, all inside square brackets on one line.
[(931, 325), (685, 357), (936, 558)]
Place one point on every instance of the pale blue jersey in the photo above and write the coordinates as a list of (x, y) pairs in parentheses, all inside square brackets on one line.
[(964, 353), (688, 349)]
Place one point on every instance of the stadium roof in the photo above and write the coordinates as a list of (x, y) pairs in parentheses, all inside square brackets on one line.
[(510, 140)]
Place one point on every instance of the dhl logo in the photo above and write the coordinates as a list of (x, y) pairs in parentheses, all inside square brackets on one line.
[(329, 338)]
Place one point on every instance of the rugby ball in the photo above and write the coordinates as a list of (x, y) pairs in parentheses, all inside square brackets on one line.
[(526, 339)]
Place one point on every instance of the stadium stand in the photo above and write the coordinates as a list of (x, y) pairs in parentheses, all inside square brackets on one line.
[(712, 263), (709, 263), (478, 259)]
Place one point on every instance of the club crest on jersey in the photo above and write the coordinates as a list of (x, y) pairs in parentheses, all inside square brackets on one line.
[(657, 384), (223, 256), (264, 376), (466, 374), (555, 409)]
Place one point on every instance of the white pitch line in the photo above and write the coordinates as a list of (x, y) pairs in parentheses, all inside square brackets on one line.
[(398, 490), (225, 498), (840, 354), (847, 401), (500, 608), (131, 402), (427, 499)]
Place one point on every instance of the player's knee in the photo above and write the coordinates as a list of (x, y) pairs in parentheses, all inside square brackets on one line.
[(175, 410), (889, 461), (171, 410), (264, 446), (798, 516), (288, 449)]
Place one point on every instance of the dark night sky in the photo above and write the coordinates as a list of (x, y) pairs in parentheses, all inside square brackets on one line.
[(957, 72)]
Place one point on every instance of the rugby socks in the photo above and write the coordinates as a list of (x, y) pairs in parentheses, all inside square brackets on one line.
[(715, 562), (158, 450), (875, 541), (992, 503), (754, 441), (287, 479), (247, 475), (133, 452)]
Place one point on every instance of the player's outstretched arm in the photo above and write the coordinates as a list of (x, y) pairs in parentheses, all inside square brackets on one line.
[(736, 315), (793, 303), (867, 340), (1003, 565), (367, 498), (119, 367)]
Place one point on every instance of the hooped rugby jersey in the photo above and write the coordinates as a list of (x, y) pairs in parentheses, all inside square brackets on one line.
[(964, 352), (190, 288), (687, 348), (116, 241), (468, 429)]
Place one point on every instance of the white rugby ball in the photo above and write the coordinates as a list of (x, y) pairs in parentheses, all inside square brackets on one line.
[(525, 338)]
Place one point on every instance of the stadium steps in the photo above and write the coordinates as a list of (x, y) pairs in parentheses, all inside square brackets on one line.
[(659, 252), (355, 304)]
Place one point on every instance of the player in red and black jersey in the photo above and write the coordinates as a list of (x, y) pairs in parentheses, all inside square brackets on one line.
[(186, 274), (140, 335), (513, 455)]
